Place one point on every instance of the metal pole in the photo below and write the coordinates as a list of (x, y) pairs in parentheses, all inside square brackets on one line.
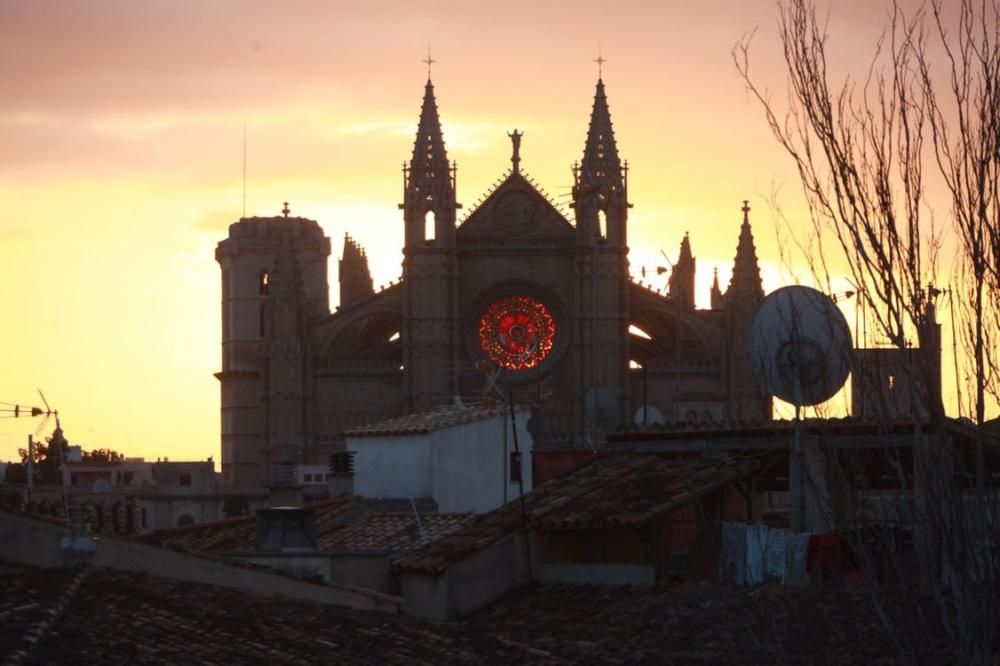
[(31, 465), (520, 483), (645, 393), (795, 473)]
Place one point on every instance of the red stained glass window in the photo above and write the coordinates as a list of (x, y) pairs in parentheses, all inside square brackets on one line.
[(517, 332)]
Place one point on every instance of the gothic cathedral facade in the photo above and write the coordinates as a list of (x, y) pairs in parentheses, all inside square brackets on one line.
[(513, 301)]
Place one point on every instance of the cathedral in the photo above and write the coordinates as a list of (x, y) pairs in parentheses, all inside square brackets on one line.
[(513, 299)]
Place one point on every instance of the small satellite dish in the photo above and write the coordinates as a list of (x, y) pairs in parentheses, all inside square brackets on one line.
[(648, 415), (800, 345), (600, 407), (101, 487)]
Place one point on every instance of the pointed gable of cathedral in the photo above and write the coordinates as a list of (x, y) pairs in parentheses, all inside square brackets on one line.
[(515, 208)]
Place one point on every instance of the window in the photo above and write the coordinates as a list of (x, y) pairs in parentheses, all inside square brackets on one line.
[(892, 382), (429, 224), (602, 224), (307, 478), (515, 466), (265, 282), (144, 517), (262, 320), (185, 479), (517, 332)]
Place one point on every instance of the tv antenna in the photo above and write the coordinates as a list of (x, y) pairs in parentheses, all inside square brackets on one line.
[(800, 349), (10, 410)]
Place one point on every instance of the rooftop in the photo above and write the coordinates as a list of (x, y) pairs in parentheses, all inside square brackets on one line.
[(379, 532), (619, 490), (427, 422), (342, 524), (116, 617), (239, 534)]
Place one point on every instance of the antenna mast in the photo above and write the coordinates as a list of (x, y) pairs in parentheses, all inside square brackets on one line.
[(244, 168)]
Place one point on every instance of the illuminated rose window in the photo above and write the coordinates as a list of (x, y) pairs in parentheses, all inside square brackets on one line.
[(517, 332)]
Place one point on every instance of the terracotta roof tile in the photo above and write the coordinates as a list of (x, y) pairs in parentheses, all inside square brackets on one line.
[(239, 534), (427, 422), (118, 617), (611, 491), (395, 532)]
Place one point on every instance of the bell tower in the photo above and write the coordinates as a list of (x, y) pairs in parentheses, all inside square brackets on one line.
[(429, 335), (274, 279), (600, 202)]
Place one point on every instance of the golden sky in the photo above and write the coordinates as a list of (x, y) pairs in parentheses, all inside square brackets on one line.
[(121, 149)]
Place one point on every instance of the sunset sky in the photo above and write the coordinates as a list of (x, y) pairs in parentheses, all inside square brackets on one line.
[(121, 152)]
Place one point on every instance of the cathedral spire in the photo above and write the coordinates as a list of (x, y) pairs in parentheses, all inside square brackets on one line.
[(681, 283), (430, 160), (429, 180), (716, 293), (355, 278), (600, 154), (600, 181), (745, 282)]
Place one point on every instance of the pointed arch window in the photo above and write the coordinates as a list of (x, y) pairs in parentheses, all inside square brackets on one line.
[(261, 323), (429, 226), (264, 282), (602, 224)]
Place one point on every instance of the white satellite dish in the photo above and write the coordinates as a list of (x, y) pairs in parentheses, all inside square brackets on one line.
[(800, 346), (648, 415)]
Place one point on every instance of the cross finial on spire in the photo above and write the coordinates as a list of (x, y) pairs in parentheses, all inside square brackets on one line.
[(600, 60), (286, 210), (746, 210), (429, 61)]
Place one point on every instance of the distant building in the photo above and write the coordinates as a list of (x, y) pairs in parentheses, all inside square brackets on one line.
[(133, 495), (517, 293), (891, 383)]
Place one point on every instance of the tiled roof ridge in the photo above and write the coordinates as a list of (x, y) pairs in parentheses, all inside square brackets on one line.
[(34, 635), (153, 537), (424, 422)]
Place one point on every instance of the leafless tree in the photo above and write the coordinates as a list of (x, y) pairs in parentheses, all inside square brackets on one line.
[(863, 152), (965, 127)]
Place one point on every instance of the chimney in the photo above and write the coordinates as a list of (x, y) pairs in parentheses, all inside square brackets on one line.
[(78, 546), (283, 491), (286, 529)]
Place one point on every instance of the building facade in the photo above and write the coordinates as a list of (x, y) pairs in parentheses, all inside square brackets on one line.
[(515, 299)]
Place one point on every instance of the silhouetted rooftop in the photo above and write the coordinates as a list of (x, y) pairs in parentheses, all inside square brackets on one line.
[(114, 617)]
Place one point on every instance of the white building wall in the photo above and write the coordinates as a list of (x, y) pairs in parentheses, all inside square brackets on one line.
[(465, 468), (397, 466), (470, 465)]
